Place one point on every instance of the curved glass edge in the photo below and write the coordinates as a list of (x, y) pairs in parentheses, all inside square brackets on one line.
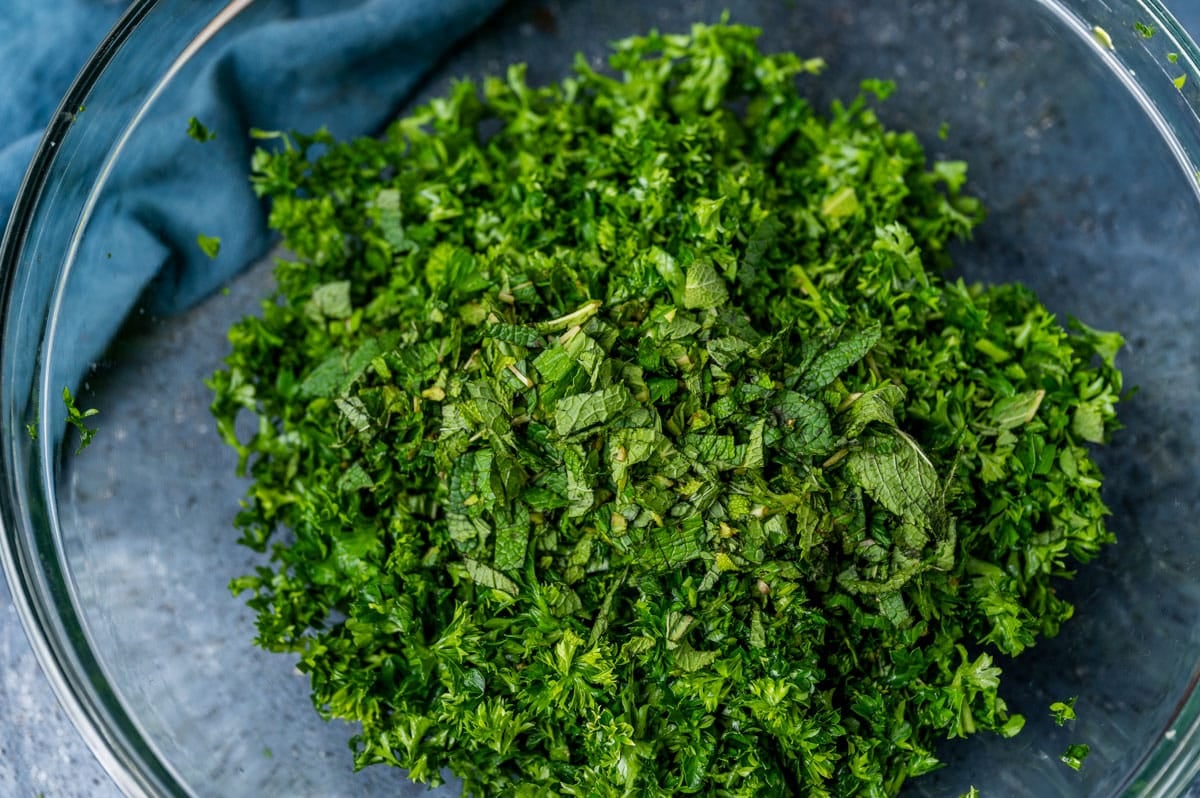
[(32, 558), (95, 715), (1159, 63)]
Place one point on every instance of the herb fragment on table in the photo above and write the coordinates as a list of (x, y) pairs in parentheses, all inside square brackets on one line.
[(76, 418), (1103, 37), (1144, 30), (1075, 755), (625, 436), (199, 131)]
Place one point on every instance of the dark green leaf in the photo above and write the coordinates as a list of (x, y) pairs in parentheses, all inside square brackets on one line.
[(836, 354)]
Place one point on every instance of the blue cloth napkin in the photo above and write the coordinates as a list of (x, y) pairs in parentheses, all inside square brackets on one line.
[(343, 64), (43, 43)]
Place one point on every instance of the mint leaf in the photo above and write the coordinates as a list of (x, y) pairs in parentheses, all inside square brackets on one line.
[(703, 287)]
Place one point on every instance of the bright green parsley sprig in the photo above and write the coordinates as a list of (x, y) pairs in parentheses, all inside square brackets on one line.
[(76, 418), (623, 437), (1063, 711)]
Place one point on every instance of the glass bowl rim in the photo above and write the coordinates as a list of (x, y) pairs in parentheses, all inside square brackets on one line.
[(113, 737)]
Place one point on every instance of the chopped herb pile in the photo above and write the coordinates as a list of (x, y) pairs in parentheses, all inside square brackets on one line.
[(210, 245), (624, 437)]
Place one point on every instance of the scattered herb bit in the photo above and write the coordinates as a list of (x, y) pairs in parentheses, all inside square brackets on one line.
[(1101, 35), (1074, 755), (1144, 30), (198, 131), (1180, 81), (211, 245), (641, 446), (31, 429), (267, 135), (1063, 711), (1173, 57), (75, 417), (944, 131), (971, 793), (880, 89)]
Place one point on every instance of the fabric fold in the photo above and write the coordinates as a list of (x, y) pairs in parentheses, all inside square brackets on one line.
[(286, 66)]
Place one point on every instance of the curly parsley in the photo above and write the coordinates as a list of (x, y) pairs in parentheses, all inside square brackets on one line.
[(623, 436)]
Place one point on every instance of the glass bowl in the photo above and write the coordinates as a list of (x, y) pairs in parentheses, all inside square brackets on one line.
[(1081, 144)]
